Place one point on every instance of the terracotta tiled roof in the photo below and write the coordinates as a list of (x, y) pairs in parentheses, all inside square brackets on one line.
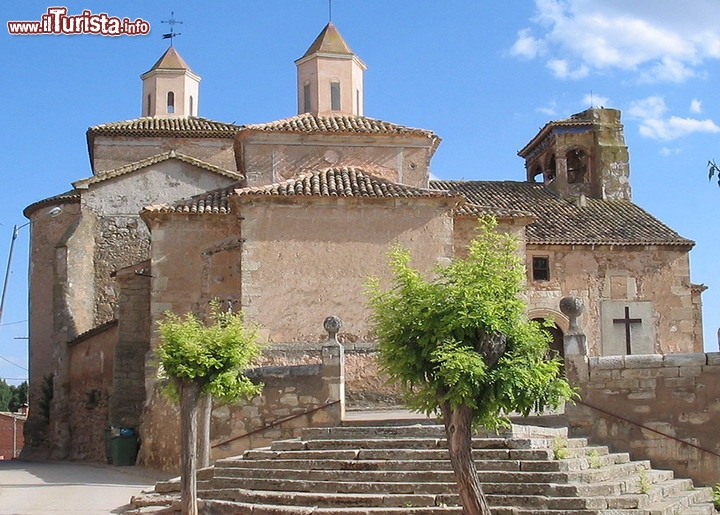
[(332, 182), (341, 182), (564, 222), (576, 122), (208, 203), (158, 158), (344, 124), (180, 127), (473, 210), (71, 196)]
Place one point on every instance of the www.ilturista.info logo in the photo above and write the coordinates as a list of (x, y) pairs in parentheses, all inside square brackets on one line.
[(57, 21)]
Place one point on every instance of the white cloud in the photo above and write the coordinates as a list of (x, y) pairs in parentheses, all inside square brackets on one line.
[(675, 127), (695, 106), (592, 100), (651, 107), (667, 152), (651, 113), (659, 40), (527, 46), (548, 110), (561, 69)]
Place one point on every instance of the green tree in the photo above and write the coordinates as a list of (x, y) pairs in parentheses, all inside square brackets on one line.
[(19, 396), (208, 358), (6, 395), (459, 344)]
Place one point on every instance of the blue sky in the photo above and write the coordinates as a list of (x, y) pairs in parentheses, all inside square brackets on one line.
[(485, 76)]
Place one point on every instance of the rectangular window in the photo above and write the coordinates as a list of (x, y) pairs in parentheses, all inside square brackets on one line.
[(335, 96), (540, 268), (307, 100)]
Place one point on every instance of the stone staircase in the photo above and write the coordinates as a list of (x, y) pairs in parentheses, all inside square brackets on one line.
[(405, 469)]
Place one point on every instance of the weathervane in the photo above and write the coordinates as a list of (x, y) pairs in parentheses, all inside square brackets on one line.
[(172, 34)]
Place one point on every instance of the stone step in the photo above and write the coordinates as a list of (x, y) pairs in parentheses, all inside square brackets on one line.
[(395, 454), (299, 485), (672, 505), (368, 471), (223, 507), (410, 442), (329, 499), (406, 469), (700, 509), (428, 431)]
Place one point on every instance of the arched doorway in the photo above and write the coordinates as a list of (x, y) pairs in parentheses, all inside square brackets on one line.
[(557, 344)]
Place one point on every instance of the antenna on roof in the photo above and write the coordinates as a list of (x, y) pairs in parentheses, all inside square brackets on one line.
[(329, 10), (592, 102), (172, 34)]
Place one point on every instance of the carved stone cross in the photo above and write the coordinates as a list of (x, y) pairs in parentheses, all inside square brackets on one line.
[(627, 321)]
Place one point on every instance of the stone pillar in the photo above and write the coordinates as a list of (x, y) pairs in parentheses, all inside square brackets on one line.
[(575, 342), (333, 369)]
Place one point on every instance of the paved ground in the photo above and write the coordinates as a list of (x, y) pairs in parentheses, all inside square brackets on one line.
[(30, 488)]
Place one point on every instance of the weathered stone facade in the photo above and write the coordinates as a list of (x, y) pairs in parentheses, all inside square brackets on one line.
[(286, 221), (629, 276)]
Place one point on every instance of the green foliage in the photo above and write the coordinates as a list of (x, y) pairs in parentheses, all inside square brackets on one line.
[(19, 396), (215, 354), (643, 481), (716, 496), (431, 333), (560, 448), (5, 395), (594, 459)]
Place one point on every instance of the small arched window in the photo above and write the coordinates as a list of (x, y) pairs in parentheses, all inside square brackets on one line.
[(576, 166), (148, 109), (170, 102), (192, 107)]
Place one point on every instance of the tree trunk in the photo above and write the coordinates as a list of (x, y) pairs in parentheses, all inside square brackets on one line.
[(189, 395), (204, 416), (458, 428)]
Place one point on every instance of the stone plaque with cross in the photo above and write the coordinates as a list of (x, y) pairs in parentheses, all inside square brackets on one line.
[(627, 328)]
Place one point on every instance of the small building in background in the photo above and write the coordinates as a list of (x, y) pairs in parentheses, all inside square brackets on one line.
[(11, 433)]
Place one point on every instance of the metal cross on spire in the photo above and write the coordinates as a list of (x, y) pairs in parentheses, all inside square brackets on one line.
[(172, 34), (329, 10)]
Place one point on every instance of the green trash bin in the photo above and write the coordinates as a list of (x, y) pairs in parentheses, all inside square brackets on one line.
[(123, 450)]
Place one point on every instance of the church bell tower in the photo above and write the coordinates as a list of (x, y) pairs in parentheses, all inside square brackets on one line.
[(330, 77), (170, 88)]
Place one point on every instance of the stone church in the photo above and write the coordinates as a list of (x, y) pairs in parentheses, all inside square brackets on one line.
[(286, 220)]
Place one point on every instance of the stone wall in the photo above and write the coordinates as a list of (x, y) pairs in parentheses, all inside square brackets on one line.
[(648, 404), (110, 152), (269, 157), (90, 374), (301, 259), (295, 396)]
